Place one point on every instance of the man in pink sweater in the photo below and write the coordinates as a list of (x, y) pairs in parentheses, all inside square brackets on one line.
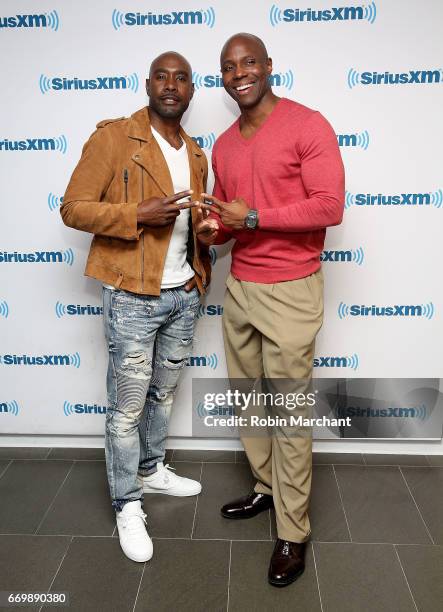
[(279, 182)]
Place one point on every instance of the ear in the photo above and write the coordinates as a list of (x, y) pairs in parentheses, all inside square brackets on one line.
[(269, 65), (192, 91), (147, 88)]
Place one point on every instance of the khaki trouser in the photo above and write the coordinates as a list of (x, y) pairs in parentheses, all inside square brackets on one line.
[(269, 330)]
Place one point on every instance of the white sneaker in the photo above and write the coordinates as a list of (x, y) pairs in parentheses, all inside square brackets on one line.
[(166, 482), (134, 539)]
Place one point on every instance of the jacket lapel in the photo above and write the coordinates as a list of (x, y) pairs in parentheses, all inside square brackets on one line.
[(149, 156)]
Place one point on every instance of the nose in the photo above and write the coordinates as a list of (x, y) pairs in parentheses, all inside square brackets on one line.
[(239, 71), (171, 84)]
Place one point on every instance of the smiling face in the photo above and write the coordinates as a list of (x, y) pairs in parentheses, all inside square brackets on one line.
[(169, 86), (245, 68)]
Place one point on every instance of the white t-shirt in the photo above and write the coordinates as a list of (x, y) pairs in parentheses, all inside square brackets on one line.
[(176, 270)]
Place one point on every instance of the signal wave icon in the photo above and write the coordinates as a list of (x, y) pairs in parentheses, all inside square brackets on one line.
[(4, 309), (60, 310), (209, 17), (132, 82), (206, 141), (197, 79), (363, 140), (54, 201), (212, 255), (428, 310), (53, 20), (117, 19), (275, 15), (68, 408), (420, 412), (343, 310), (44, 83), (61, 144), (283, 79), (358, 256), (437, 198), (353, 78), (349, 200), (212, 361), (370, 12), (68, 256), (10, 407), (74, 360), (201, 311), (352, 361)]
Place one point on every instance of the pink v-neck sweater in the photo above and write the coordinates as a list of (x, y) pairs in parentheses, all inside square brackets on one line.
[(291, 171)]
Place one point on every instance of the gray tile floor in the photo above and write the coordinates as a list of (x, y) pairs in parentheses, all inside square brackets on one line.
[(377, 536)]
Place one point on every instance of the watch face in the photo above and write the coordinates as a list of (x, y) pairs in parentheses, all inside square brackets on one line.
[(251, 219)]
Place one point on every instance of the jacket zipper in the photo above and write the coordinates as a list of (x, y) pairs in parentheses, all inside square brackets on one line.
[(125, 179), (143, 233)]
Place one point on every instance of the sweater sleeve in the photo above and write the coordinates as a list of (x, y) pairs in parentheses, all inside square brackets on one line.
[(83, 208), (322, 174), (224, 233)]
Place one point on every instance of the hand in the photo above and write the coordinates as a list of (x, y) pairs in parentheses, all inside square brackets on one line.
[(191, 284), (159, 212), (232, 214), (206, 229)]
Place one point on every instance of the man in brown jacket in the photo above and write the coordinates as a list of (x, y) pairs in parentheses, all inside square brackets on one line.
[(128, 190)]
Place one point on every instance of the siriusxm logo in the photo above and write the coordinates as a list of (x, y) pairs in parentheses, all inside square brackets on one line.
[(353, 255), (418, 77), (100, 82), (206, 141), (337, 362), (279, 79), (203, 361), (62, 310), (434, 198), (43, 20), (81, 408), (397, 310), (210, 310), (216, 411), (47, 257), (202, 17), (413, 412), (41, 360), (341, 13), (54, 202), (4, 309), (354, 140), (35, 144), (9, 408)]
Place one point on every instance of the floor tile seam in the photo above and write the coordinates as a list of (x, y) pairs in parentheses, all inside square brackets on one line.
[(6, 467), (139, 586), (342, 503), (196, 504), (406, 579), (229, 575), (317, 577), (55, 497), (416, 505), (58, 569)]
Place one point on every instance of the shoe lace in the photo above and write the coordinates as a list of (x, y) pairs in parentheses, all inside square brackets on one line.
[(132, 524)]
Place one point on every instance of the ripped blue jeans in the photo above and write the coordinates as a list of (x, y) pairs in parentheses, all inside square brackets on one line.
[(149, 341)]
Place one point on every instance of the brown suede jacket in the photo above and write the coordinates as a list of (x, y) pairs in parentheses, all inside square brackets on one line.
[(121, 165)]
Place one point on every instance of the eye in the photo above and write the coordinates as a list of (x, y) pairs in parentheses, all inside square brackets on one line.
[(251, 61), (161, 77), (227, 68), (181, 77)]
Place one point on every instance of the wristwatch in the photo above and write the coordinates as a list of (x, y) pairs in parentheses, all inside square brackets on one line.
[(251, 219)]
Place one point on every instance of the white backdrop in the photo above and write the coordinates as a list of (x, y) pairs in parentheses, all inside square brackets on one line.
[(383, 255)]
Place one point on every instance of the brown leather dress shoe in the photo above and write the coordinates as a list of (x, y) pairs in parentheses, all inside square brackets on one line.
[(287, 562), (248, 506)]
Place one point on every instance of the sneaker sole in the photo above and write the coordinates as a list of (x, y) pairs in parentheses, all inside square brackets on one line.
[(170, 493), (133, 558)]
